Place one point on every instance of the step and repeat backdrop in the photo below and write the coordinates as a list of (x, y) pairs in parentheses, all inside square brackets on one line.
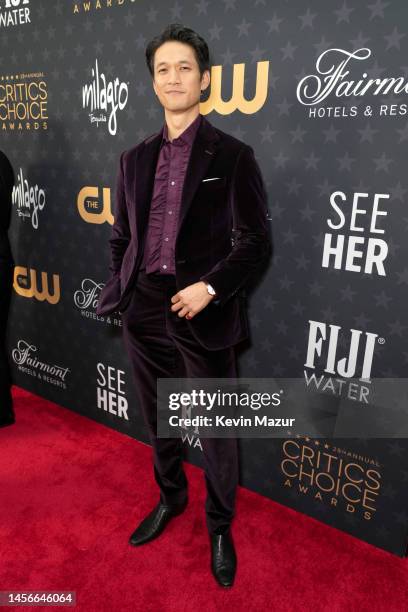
[(320, 91)]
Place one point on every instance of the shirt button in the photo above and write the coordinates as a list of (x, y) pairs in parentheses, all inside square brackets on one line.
[(164, 266), (170, 212), (172, 182), (166, 239)]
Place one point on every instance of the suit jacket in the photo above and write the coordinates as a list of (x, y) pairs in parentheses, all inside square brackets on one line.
[(6, 188), (222, 234)]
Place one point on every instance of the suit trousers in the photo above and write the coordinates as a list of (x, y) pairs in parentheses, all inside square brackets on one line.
[(6, 284), (160, 344)]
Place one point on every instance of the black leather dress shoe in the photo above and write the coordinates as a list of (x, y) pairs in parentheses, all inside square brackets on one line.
[(154, 523), (223, 558)]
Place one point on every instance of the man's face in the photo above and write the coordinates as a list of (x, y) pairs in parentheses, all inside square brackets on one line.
[(177, 81)]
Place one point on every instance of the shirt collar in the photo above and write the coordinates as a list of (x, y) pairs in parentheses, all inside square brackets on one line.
[(185, 137)]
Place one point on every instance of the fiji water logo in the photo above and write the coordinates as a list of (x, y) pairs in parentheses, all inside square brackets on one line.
[(340, 361)]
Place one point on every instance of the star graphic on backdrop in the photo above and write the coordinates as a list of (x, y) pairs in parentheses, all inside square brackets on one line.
[(243, 28), (306, 212), (393, 39), (288, 51), (297, 135), (228, 58), (202, 6), (274, 24), (307, 19), (267, 134), (382, 163), (331, 134), (344, 162), (359, 42), (382, 299), (315, 288), (302, 262), (347, 293), (377, 9), (311, 161), (152, 14), (343, 13), (367, 133), (323, 45), (280, 160), (215, 32), (284, 107)]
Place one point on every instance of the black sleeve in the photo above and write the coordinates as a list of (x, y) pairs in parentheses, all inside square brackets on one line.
[(6, 188)]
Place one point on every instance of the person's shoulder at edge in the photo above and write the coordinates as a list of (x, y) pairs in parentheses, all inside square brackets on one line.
[(234, 145), (6, 164), (128, 153)]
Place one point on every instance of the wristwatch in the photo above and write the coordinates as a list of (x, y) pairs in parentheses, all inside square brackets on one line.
[(210, 289)]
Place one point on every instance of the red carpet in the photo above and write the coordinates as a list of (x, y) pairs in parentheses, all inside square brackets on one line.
[(72, 491)]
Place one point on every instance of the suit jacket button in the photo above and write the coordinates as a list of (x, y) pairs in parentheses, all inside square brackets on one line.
[(181, 261)]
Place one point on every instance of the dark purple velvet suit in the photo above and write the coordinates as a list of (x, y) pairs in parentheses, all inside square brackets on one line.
[(210, 211), (222, 238)]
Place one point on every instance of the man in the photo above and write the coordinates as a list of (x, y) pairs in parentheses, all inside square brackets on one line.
[(190, 230), (6, 282)]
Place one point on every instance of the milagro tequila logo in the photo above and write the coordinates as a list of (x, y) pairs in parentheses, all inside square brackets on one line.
[(323, 346), (28, 200), (27, 362), (331, 79), (14, 12), (104, 98)]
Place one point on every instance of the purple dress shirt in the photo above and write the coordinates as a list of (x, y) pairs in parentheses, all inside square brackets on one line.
[(158, 256)]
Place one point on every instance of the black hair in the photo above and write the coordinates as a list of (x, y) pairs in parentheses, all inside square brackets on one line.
[(176, 31)]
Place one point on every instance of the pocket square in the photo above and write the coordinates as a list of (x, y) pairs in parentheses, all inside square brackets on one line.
[(213, 178)]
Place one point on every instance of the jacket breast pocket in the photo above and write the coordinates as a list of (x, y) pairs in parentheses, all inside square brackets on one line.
[(214, 183)]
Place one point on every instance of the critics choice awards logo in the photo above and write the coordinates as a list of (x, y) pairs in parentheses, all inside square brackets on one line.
[(87, 6), (23, 102), (334, 476)]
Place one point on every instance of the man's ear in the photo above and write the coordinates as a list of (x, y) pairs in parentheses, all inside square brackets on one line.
[(205, 80)]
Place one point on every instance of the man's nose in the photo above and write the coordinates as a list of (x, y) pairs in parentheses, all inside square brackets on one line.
[(174, 76)]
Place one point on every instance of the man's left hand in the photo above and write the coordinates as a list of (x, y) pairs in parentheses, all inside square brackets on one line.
[(190, 300)]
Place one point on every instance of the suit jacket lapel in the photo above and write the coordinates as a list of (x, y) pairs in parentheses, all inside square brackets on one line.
[(201, 156), (146, 162)]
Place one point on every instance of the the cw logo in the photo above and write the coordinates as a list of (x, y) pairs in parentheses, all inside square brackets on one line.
[(25, 284), (88, 201), (237, 100)]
